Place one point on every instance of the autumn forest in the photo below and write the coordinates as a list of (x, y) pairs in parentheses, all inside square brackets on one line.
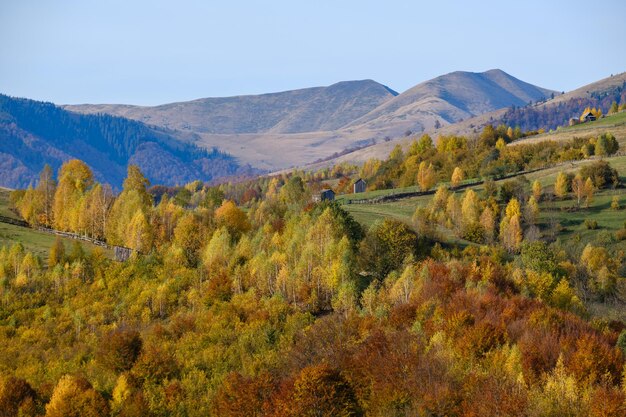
[(249, 299)]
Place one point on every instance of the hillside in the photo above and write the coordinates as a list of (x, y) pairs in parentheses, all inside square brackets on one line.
[(282, 130), (34, 133), (615, 124), (296, 111), (547, 114), (451, 98)]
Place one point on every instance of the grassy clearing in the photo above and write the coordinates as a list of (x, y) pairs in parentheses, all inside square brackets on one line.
[(572, 223), (547, 176), (4, 204), (34, 241)]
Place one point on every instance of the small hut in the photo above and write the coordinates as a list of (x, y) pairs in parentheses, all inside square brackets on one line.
[(588, 117), (359, 186), (324, 195), (121, 253)]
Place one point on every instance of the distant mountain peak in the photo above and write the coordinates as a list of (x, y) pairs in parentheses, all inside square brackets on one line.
[(294, 111), (281, 129)]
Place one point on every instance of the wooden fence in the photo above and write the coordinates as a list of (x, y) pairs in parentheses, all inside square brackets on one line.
[(120, 253), (16, 222), (409, 194)]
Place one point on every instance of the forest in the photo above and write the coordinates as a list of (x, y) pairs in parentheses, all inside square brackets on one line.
[(248, 299), (35, 133), (552, 116)]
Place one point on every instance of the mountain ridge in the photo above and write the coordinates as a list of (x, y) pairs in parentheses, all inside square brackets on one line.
[(278, 130), (292, 111)]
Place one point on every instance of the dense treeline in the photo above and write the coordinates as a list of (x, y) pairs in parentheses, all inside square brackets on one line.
[(487, 156), (551, 116), (34, 132), (280, 307)]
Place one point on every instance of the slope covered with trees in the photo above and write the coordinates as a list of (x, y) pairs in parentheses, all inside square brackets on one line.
[(34, 133), (249, 300)]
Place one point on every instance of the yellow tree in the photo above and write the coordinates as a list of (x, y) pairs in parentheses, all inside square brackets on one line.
[(232, 217), (133, 197), (511, 233), (512, 208), (75, 397), (470, 209), (509, 133), (426, 176), (537, 190), (488, 222), (561, 185), (454, 214), (46, 188), (532, 210), (578, 187), (94, 210), (75, 178), (139, 234), (588, 190), (457, 177)]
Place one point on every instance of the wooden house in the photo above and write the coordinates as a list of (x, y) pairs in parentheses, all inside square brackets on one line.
[(324, 195), (588, 117), (359, 186)]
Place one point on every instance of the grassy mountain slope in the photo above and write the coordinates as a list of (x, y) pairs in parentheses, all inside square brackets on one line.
[(451, 98), (296, 111)]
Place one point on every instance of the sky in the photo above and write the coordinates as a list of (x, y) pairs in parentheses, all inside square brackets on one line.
[(153, 52)]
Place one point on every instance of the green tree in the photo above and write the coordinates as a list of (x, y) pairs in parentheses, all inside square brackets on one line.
[(386, 246), (424, 144), (539, 257)]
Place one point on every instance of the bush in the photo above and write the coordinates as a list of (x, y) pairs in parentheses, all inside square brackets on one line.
[(601, 173), (475, 233), (591, 224), (615, 203), (620, 234)]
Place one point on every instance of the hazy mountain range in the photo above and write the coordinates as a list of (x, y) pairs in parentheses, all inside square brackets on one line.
[(267, 131), (34, 133)]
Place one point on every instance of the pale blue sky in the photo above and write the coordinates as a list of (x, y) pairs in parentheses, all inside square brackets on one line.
[(151, 52)]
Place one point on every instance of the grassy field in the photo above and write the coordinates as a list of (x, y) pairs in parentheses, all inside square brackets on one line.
[(34, 241), (615, 124), (4, 204)]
